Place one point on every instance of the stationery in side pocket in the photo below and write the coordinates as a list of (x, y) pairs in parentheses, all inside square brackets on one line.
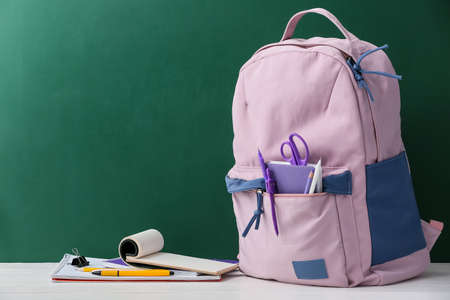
[(290, 179)]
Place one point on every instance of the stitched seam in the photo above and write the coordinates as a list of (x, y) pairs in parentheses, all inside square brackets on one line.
[(386, 161), (349, 184), (365, 156), (341, 238), (334, 85), (300, 50), (350, 73), (364, 199), (244, 92)]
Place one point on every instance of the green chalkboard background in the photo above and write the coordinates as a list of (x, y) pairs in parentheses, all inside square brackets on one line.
[(115, 116)]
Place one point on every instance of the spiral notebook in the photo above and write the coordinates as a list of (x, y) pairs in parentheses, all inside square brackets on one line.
[(144, 248)]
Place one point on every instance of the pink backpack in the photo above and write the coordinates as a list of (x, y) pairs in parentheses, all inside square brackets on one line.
[(342, 96)]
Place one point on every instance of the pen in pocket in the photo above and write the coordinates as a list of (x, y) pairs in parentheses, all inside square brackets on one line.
[(308, 182)]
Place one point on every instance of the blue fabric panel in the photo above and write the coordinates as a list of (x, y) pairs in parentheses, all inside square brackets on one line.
[(395, 227), (310, 269), (239, 185), (338, 184)]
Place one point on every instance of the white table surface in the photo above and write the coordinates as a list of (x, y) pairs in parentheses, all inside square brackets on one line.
[(32, 281)]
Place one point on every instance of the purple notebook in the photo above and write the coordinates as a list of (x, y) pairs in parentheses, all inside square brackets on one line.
[(290, 179)]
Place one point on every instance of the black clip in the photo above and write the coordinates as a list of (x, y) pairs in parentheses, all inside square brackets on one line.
[(79, 261)]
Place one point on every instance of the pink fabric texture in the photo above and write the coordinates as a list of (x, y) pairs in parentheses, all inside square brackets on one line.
[(306, 86), (432, 231), (437, 225)]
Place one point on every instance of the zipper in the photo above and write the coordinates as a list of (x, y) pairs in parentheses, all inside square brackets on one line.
[(370, 103), (374, 126), (304, 46)]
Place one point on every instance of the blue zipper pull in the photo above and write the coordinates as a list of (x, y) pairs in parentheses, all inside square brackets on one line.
[(256, 214), (358, 71), (259, 202)]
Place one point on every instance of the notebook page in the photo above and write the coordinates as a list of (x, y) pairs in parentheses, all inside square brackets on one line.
[(65, 271), (182, 262)]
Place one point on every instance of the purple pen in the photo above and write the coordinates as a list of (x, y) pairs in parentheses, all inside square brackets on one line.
[(262, 163), (270, 188)]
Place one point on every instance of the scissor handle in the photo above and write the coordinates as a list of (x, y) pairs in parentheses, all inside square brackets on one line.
[(289, 158), (296, 153)]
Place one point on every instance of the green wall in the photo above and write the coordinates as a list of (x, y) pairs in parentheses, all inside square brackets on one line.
[(115, 116)]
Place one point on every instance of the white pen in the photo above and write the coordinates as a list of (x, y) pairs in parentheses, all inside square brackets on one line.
[(315, 180)]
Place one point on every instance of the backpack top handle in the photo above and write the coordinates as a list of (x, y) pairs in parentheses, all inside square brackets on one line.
[(292, 24)]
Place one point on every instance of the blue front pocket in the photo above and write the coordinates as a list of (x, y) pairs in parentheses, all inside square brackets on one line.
[(395, 227)]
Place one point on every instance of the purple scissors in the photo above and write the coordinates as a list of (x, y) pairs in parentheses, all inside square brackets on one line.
[(295, 158)]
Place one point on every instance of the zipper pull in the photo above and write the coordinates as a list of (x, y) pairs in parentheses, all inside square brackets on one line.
[(259, 206), (256, 214)]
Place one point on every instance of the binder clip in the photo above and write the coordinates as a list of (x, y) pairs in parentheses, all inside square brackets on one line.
[(79, 261)]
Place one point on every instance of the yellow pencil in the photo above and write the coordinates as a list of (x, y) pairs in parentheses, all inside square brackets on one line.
[(90, 269), (125, 272)]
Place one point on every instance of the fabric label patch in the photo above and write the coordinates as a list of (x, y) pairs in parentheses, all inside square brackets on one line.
[(395, 227), (310, 269)]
